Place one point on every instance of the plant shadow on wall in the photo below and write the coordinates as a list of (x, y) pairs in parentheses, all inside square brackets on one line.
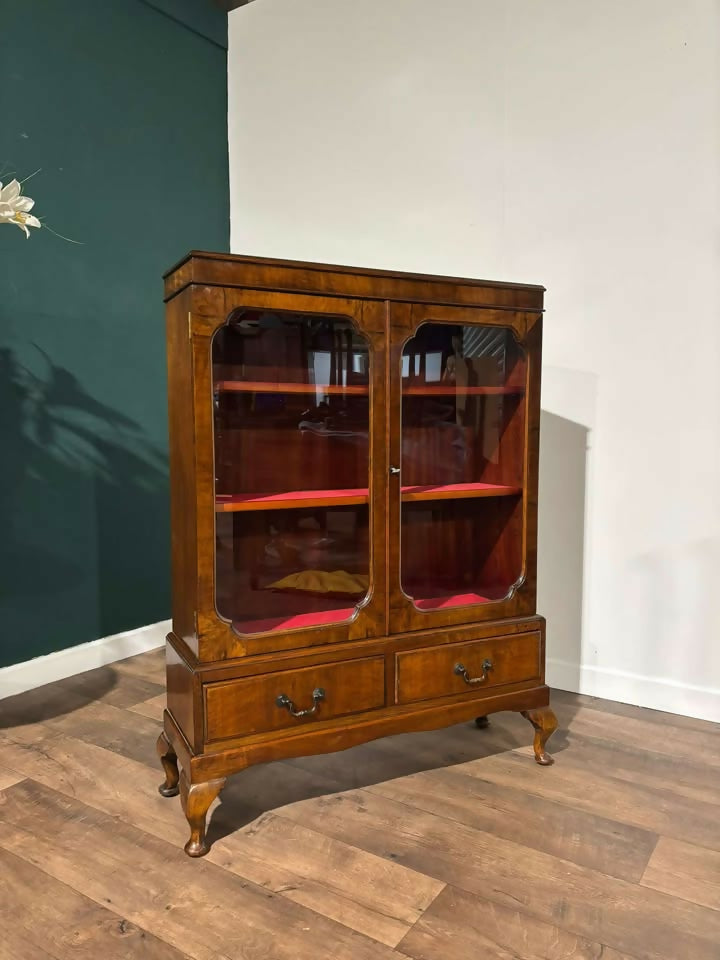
[(81, 491)]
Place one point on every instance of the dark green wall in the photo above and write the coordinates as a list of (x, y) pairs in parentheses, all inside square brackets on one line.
[(123, 108)]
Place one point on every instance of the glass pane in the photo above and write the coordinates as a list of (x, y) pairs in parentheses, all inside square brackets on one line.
[(463, 438), (291, 470)]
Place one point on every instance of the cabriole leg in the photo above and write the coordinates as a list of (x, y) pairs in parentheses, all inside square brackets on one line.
[(196, 800), (545, 723), (170, 766)]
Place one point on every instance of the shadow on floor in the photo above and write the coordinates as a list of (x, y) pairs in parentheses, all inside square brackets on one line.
[(268, 787), (57, 699)]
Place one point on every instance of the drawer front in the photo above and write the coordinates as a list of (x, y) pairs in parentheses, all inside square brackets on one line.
[(235, 708), (434, 672)]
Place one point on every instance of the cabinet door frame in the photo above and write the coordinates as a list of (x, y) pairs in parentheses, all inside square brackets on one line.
[(215, 635), (404, 321)]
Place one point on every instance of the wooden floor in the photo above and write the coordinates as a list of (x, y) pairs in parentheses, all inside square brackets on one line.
[(434, 846)]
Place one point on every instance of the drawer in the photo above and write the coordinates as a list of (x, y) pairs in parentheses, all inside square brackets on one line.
[(235, 708), (430, 672)]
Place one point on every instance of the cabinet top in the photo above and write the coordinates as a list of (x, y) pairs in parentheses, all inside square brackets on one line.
[(263, 273)]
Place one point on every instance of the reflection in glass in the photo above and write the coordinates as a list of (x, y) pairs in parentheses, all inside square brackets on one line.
[(463, 424), (291, 405)]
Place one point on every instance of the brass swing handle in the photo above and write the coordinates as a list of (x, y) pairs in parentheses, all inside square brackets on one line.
[(460, 670), (318, 694)]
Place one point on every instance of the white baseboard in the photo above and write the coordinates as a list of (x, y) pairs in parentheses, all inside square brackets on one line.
[(85, 656), (657, 693)]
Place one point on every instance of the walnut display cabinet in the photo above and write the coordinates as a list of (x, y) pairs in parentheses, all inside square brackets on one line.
[(354, 469)]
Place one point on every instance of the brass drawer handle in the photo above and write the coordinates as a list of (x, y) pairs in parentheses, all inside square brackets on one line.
[(460, 670), (318, 694)]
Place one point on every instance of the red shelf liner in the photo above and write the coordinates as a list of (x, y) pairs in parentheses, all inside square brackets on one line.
[(458, 600), (355, 495), (295, 622), (295, 498), (327, 617), (268, 386), (451, 390)]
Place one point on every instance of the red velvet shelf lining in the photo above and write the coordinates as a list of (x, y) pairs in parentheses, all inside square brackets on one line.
[(457, 600), (317, 619), (326, 617), (225, 503), (295, 498)]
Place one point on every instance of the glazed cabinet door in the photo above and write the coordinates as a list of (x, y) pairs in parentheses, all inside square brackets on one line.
[(462, 507), (289, 393)]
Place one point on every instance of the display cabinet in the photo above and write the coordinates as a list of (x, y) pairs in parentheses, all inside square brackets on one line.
[(354, 460)]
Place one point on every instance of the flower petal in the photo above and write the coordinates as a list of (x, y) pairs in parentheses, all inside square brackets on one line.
[(22, 227), (10, 192), (24, 204), (31, 221)]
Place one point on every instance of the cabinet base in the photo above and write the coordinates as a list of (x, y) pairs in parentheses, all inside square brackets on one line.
[(199, 777)]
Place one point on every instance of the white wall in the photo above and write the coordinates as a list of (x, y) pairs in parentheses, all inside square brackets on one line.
[(569, 143)]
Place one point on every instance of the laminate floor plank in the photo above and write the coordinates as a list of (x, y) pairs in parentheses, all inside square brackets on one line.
[(153, 708), (128, 789), (9, 777), (563, 700), (39, 705), (195, 906), (147, 666), (657, 771), (410, 753), (108, 782), (685, 870), (364, 892), (113, 729), (16, 946), (118, 689), (597, 792), (613, 848), (43, 917), (629, 918), (685, 744), (457, 926), (423, 846)]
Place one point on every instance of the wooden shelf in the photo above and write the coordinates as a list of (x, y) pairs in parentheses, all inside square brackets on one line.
[(262, 386), (296, 499), (289, 501), (452, 390), (429, 390), (458, 491)]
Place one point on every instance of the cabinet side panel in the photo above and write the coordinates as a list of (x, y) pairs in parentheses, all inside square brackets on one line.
[(181, 700), (533, 344), (182, 471)]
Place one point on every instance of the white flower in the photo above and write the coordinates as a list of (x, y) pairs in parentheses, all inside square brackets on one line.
[(15, 208)]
